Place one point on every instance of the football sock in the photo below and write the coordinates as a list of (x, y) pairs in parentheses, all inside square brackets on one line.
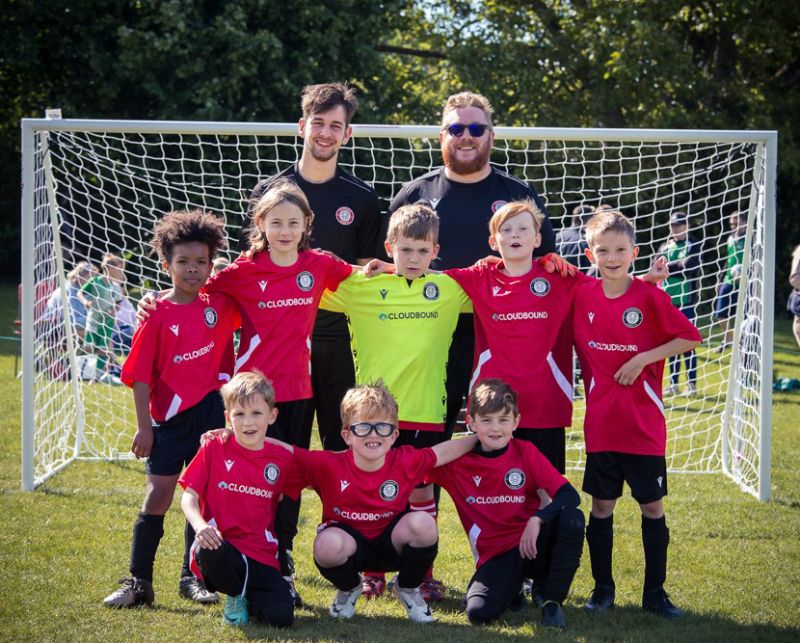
[(344, 577), (147, 532), (600, 538), (655, 538), (428, 506), (565, 555), (188, 541), (414, 563)]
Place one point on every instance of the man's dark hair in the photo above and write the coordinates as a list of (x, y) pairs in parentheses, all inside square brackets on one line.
[(317, 99)]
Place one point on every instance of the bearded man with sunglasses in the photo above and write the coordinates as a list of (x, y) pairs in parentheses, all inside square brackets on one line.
[(465, 193)]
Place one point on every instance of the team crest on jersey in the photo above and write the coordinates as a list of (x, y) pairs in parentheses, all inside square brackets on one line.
[(271, 473), (210, 317), (497, 205), (430, 291), (632, 317), (514, 478), (345, 215), (305, 281), (540, 286), (389, 490)]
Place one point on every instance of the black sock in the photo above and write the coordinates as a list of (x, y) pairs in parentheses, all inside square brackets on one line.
[(415, 563), (344, 577), (565, 555), (655, 538), (600, 538), (188, 541), (147, 532)]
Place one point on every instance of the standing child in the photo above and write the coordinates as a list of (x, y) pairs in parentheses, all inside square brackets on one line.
[(729, 276), (512, 535), (232, 489), (624, 330), (401, 326), (100, 296), (366, 523), (277, 286), (174, 370), (682, 253)]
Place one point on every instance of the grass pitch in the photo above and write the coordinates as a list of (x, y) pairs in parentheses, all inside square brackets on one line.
[(734, 562)]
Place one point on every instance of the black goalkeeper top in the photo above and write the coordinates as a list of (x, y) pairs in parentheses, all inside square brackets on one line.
[(346, 222), (464, 211)]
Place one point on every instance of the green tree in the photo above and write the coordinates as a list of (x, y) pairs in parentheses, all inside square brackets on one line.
[(176, 59), (705, 64)]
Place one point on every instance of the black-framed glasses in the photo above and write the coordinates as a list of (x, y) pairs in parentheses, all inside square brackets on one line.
[(476, 130), (363, 429)]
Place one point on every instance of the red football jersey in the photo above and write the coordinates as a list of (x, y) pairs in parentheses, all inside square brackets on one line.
[(523, 336), (278, 305), (366, 500), (179, 351), (608, 333), (239, 490), (495, 496)]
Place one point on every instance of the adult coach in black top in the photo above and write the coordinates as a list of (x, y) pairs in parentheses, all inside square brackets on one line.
[(346, 223), (465, 192)]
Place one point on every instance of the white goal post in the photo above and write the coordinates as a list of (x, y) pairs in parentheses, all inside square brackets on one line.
[(92, 187)]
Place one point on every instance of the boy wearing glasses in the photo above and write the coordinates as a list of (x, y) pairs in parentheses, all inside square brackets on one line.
[(364, 491)]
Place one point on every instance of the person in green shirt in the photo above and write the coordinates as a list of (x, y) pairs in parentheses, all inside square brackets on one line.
[(728, 280), (401, 326), (101, 295), (682, 253)]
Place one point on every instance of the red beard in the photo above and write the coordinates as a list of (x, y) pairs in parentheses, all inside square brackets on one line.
[(467, 167)]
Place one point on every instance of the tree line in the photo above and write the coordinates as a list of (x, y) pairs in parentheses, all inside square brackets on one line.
[(710, 64)]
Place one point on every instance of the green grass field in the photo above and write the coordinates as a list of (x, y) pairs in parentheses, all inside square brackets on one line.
[(734, 562)]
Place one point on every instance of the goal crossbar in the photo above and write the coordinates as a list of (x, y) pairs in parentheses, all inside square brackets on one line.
[(692, 165)]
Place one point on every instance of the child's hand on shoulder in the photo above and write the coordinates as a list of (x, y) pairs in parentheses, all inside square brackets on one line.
[(659, 270), (487, 261), (145, 307), (552, 262), (377, 267), (215, 434), (630, 370)]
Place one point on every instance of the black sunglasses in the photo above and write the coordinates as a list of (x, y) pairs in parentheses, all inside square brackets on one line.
[(476, 130), (363, 429)]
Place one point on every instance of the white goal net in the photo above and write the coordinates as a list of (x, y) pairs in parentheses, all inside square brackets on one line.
[(96, 187)]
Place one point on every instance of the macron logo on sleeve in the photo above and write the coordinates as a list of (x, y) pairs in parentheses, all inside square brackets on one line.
[(174, 329)]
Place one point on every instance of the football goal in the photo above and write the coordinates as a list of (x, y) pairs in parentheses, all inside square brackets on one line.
[(94, 187)]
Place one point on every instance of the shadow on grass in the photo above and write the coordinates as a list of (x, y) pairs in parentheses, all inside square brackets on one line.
[(622, 623)]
